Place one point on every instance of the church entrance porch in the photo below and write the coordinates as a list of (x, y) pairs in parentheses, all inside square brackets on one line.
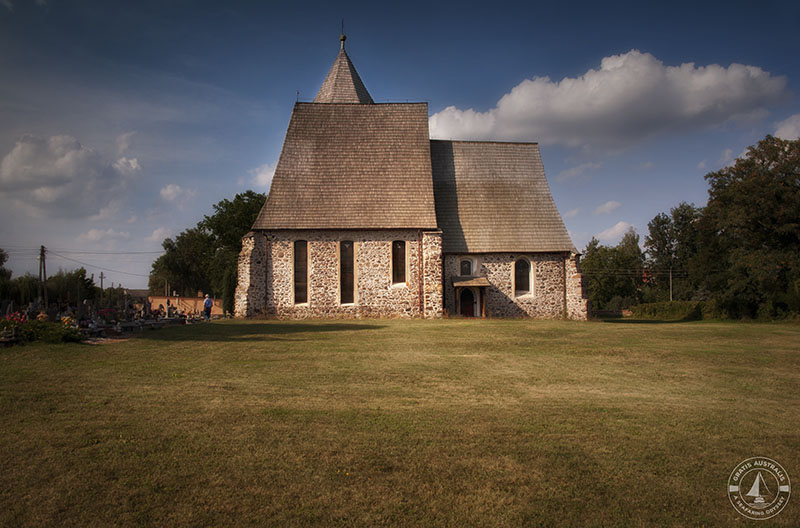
[(470, 295)]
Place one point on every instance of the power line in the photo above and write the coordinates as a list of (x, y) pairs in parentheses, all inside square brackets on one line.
[(95, 266), (11, 248)]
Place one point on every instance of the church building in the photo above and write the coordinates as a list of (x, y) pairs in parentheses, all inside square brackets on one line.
[(369, 217)]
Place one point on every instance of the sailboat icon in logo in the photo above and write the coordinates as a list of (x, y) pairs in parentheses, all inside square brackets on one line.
[(756, 490)]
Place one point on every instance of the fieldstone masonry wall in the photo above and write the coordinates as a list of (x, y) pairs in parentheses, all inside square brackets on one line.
[(577, 302), (432, 273), (250, 294), (266, 278), (375, 295), (545, 301)]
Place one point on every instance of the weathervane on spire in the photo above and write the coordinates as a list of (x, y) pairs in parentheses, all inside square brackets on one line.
[(342, 37)]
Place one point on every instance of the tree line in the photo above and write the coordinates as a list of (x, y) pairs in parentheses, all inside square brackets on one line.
[(63, 288), (740, 253)]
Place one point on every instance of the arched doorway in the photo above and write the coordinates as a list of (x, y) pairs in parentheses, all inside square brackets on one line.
[(467, 302)]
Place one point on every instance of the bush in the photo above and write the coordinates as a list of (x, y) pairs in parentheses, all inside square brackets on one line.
[(680, 310), (48, 332)]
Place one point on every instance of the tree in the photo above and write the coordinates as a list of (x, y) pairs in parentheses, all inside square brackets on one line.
[(671, 243), (614, 274), (205, 257), (5, 277), (750, 233)]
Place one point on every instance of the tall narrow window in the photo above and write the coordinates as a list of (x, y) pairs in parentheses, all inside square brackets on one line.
[(398, 261), (300, 271), (522, 277), (466, 267), (346, 282)]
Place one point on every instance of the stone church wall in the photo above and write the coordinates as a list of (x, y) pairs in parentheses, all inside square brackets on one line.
[(577, 302), (250, 294), (545, 301), (375, 295)]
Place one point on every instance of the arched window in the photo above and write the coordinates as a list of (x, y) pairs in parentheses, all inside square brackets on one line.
[(398, 261), (346, 272), (522, 277), (466, 267), (300, 271)]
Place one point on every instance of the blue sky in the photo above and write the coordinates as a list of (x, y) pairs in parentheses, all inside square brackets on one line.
[(122, 123)]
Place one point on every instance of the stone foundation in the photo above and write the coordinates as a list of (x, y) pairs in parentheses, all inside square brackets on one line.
[(555, 294)]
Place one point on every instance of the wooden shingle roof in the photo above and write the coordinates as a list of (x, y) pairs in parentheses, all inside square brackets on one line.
[(353, 166), (494, 197), (343, 85)]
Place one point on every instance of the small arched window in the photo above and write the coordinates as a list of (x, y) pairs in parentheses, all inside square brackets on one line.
[(398, 261), (300, 271), (522, 277), (466, 267)]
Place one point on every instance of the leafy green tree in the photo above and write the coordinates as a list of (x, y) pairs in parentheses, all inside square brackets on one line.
[(70, 286), (205, 257), (671, 243), (750, 233), (5, 277), (614, 274)]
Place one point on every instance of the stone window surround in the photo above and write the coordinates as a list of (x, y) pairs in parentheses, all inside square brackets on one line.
[(531, 292)]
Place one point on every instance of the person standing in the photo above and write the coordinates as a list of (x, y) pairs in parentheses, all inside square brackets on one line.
[(207, 304)]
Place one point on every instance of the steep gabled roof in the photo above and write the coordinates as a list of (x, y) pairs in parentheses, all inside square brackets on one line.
[(353, 166), (494, 197), (343, 85)]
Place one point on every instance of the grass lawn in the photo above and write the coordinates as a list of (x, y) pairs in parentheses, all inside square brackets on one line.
[(403, 423)]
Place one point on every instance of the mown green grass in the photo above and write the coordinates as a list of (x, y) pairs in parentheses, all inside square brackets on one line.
[(404, 423)]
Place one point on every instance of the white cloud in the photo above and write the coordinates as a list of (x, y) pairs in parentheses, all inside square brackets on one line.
[(262, 175), (573, 172), (630, 97), (613, 234), (124, 142), (173, 193), (8, 4), (572, 213), (607, 207), (99, 235), (58, 177), (127, 166), (158, 234), (646, 165), (789, 128), (701, 165)]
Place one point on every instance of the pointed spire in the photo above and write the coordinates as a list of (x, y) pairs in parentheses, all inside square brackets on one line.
[(343, 85)]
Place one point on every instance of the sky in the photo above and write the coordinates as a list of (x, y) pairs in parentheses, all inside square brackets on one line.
[(122, 123)]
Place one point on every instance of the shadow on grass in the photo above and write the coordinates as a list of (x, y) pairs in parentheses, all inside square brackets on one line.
[(645, 321), (245, 332)]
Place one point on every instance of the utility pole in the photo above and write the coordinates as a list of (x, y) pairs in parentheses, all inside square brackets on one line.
[(670, 284), (43, 272)]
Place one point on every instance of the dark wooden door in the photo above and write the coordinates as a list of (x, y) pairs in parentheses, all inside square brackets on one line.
[(467, 300)]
